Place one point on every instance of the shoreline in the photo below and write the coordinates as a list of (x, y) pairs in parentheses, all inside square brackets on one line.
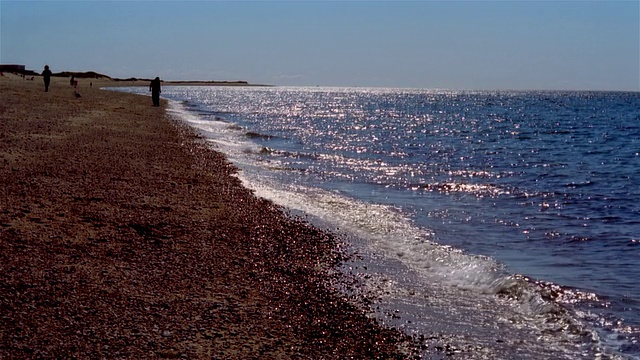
[(128, 83), (105, 81), (122, 235)]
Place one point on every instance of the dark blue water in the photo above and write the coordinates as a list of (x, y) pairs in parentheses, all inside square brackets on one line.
[(540, 186)]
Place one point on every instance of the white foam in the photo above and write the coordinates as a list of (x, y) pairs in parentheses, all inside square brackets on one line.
[(227, 137), (178, 110), (387, 231)]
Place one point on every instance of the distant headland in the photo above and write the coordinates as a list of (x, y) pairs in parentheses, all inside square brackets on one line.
[(21, 70)]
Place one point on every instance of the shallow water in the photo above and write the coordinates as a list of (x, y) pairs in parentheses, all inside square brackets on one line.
[(499, 221)]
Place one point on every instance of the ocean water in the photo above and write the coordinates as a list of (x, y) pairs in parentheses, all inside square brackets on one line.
[(503, 223)]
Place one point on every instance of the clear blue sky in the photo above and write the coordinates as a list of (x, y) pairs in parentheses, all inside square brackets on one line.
[(576, 45)]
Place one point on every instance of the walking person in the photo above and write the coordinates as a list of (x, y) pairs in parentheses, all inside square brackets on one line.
[(154, 87), (46, 75)]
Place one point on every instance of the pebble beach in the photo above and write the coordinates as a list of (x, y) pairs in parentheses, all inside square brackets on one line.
[(122, 235)]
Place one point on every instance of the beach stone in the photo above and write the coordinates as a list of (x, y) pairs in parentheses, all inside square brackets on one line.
[(131, 175)]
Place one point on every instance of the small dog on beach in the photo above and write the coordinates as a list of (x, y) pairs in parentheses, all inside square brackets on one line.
[(76, 94)]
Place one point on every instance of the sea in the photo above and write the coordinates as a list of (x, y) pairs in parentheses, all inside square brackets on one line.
[(488, 224)]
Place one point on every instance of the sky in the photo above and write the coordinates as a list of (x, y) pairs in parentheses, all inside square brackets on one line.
[(523, 45)]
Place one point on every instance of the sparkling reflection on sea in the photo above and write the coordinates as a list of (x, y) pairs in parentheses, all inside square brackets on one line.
[(540, 187)]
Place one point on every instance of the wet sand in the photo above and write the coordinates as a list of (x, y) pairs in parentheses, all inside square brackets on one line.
[(123, 236)]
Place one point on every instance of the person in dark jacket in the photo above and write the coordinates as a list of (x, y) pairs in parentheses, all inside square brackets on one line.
[(154, 87), (46, 75)]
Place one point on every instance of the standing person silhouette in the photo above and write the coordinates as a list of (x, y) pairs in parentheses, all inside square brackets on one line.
[(46, 75), (154, 87)]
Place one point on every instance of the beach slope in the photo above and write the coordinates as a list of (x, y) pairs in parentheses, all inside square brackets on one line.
[(123, 236)]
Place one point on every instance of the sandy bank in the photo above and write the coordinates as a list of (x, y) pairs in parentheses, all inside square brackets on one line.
[(121, 236)]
